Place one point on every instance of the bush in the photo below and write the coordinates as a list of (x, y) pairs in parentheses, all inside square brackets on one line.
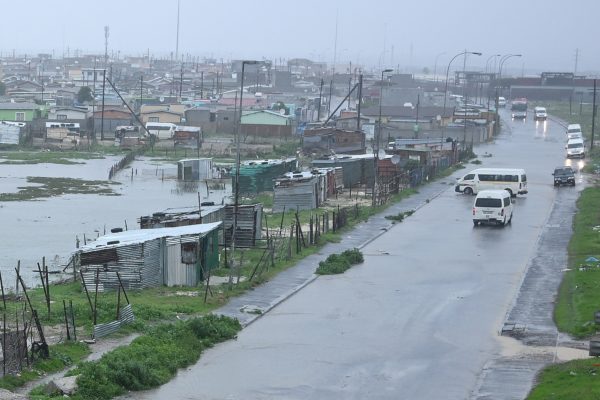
[(339, 263), (153, 359), (400, 216)]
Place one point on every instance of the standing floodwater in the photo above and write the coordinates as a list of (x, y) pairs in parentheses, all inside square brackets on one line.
[(33, 226)]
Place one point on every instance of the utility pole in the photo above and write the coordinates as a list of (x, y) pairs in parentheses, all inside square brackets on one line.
[(181, 82), (141, 92), (576, 61), (202, 84), (106, 34), (320, 100), (593, 117), (177, 39), (102, 115), (360, 80)]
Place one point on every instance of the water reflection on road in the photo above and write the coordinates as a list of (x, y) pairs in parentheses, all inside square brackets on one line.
[(48, 228)]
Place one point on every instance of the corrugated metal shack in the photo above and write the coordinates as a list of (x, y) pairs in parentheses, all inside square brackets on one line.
[(187, 136), (195, 169), (257, 176), (249, 224), (148, 258), (357, 169), (182, 216), (299, 191)]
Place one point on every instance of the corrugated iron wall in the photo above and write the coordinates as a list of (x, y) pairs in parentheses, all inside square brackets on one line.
[(139, 266), (296, 196), (249, 224), (178, 273), (125, 317)]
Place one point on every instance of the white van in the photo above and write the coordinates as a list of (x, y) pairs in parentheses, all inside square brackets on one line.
[(574, 128), (161, 130), (575, 148), (540, 114), (574, 135), (493, 206), (513, 180)]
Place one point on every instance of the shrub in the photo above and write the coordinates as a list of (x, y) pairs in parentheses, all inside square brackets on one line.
[(153, 359), (339, 263)]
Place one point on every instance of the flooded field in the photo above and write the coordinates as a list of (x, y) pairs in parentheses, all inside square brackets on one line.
[(50, 226)]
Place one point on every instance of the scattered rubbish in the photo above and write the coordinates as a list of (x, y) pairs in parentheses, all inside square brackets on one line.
[(486, 154), (591, 260), (248, 309)]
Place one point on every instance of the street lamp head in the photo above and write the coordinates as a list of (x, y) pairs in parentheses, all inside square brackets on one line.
[(250, 62), (476, 53), (387, 70)]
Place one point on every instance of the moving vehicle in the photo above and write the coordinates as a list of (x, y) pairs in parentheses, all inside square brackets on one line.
[(564, 176), (161, 130), (513, 180), (501, 102), (519, 108), (493, 206), (574, 135), (540, 114), (573, 128), (575, 148)]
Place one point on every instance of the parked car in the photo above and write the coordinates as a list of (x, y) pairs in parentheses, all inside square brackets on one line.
[(494, 206), (564, 176)]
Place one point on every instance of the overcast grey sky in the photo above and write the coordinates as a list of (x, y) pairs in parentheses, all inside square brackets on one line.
[(376, 32)]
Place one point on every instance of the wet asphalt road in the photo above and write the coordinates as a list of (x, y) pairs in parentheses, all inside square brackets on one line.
[(418, 320)]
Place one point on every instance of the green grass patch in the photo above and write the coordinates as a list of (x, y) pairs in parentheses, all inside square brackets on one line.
[(51, 157), (400, 216), (579, 379), (579, 293), (51, 187), (152, 359), (340, 263), (61, 356)]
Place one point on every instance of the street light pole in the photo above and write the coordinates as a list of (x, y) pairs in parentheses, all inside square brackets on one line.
[(446, 90), (488, 61), (377, 139), (435, 65), (237, 170)]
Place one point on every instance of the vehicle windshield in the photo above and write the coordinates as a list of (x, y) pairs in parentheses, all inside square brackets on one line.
[(486, 202), (574, 145), (563, 171)]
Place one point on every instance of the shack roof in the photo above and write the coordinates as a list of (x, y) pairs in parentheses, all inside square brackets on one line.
[(144, 235)]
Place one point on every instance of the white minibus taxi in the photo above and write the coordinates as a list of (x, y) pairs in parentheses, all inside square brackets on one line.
[(513, 180), (493, 206)]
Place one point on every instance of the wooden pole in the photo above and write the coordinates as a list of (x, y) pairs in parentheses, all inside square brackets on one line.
[(73, 320), (86, 292), (66, 320), (96, 296), (3, 297)]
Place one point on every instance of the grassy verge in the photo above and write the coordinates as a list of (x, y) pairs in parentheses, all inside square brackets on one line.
[(61, 356), (340, 263), (150, 360), (568, 381), (579, 294)]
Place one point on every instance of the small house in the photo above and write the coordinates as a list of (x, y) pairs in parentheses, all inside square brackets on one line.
[(298, 191), (195, 169), (144, 258)]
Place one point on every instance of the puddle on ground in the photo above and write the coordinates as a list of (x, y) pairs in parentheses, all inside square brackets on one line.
[(512, 347)]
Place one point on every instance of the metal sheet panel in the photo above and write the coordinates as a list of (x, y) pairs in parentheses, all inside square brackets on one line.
[(9, 134)]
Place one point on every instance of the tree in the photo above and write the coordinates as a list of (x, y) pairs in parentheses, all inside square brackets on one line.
[(2, 88), (281, 106), (84, 94), (426, 71)]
